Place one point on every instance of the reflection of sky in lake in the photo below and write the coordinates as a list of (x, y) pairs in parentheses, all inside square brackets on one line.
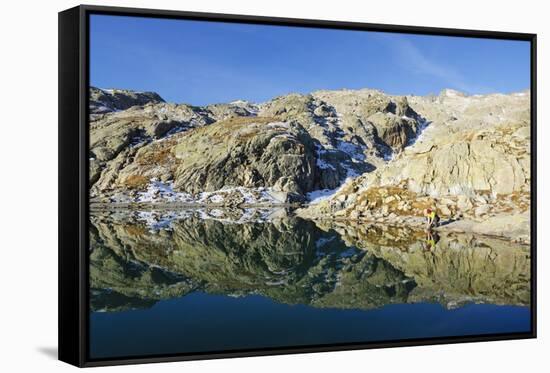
[(204, 322)]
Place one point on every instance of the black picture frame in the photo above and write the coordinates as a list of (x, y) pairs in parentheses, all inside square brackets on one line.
[(73, 181)]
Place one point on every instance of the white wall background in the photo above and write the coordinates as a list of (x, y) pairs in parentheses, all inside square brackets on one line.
[(28, 184)]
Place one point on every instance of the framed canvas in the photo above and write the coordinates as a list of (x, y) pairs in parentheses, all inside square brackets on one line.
[(238, 185)]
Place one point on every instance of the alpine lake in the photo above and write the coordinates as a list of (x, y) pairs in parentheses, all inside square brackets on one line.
[(206, 280)]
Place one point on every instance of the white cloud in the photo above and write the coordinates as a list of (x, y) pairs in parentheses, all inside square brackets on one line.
[(412, 58)]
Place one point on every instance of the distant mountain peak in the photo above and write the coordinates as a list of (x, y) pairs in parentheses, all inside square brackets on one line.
[(108, 100), (448, 92)]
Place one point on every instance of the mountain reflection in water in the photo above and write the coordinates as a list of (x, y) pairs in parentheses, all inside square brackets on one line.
[(138, 259)]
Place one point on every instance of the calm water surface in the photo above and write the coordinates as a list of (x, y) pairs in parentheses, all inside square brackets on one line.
[(195, 281)]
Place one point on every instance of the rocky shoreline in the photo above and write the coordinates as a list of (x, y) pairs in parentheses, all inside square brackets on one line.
[(348, 155), (515, 228)]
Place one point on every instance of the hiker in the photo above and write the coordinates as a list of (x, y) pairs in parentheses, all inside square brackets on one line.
[(432, 218)]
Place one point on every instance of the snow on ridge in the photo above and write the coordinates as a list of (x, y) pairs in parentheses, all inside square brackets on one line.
[(252, 108), (240, 102), (452, 93), (320, 195), (354, 151), (158, 192), (320, 162), (423, 124), (112, 91), (218, 196), (324, 165)]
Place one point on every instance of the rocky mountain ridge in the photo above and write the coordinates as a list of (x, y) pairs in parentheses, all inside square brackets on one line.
[(472, 163), (347, 154), (109, 100), (292, 145)]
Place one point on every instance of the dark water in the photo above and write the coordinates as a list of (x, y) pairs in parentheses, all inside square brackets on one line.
[(180, 282)]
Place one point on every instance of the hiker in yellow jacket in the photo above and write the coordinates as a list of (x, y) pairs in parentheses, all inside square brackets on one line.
[(432, 218)]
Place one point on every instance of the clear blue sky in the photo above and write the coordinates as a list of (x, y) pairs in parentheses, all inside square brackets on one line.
[(207, 62)]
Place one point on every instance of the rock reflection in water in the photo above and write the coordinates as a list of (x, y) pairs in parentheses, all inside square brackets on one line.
[(137, 259)]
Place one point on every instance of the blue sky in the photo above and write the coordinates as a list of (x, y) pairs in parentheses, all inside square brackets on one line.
[(206, 62)]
